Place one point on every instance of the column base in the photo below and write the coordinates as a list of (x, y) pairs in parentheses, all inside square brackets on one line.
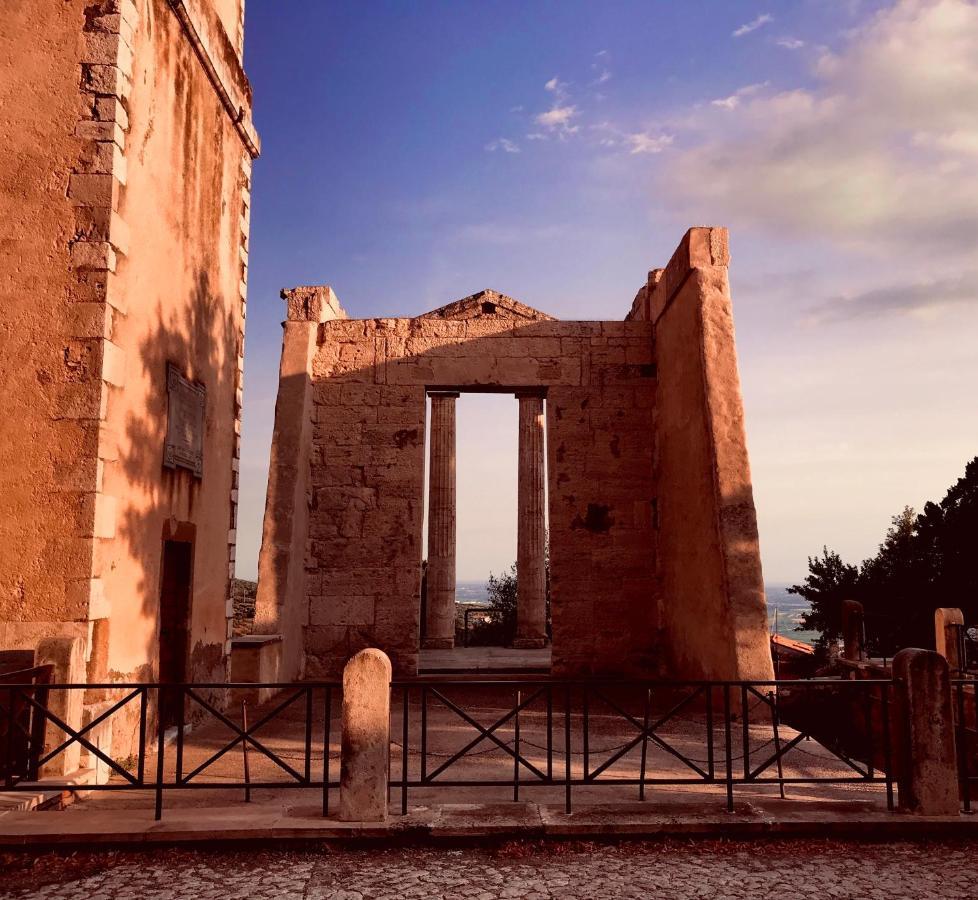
[(529, 643), (438, 644)]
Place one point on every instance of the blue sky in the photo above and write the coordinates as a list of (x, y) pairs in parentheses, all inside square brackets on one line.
[(414, 153)]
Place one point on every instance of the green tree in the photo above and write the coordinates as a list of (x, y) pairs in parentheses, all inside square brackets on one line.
[(924, 561), (502, 603), (828, 583)]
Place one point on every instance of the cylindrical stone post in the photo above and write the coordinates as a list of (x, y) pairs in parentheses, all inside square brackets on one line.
[(531, 528), (440, 613), (853, 629), (365, 749), (927, 774), (948, 623)]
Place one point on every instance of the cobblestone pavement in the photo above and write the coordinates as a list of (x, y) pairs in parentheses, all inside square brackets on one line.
[(518, 869)]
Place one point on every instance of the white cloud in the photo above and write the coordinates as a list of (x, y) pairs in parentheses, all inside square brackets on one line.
[(504, 144), (648, 143), (636, 142), (558, 118), (556, 87), (790, 43), (759, 22), (879, 153), (733, 101), (603, 77)]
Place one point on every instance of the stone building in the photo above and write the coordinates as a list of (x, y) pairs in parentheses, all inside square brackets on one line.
[(654, 559), (125, 215)]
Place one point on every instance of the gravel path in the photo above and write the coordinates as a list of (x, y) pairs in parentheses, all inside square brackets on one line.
[(570, 870)]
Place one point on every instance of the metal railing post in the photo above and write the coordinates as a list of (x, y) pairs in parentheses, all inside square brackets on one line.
[(645, 743), (567, 749), (160, 745), (887, 756), (516, 748), (728, 741), (244, 749), (327, 727), (404, 752)]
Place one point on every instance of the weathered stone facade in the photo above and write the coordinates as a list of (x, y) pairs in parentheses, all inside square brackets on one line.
[(125, 255), (653, 544)]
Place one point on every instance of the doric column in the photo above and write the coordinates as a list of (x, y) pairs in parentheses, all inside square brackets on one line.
[(531, 529), (440, 615)]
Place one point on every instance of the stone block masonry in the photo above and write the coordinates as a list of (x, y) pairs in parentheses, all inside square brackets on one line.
[(129, 212), (620, 597)]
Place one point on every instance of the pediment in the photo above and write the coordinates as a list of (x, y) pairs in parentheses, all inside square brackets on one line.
[(487, 305)]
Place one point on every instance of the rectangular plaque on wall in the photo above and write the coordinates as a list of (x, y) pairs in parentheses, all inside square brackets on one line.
[(186, 404)]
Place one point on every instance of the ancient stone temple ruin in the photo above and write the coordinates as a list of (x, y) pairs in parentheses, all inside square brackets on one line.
[(637, 426)]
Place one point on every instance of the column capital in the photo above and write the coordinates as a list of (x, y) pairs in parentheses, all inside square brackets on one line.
[(444, 395), (531, 394)]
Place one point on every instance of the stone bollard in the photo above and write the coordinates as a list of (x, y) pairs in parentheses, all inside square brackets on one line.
[(947, 624), (365, 754), (67, 655), (853, 631), (927, 775)]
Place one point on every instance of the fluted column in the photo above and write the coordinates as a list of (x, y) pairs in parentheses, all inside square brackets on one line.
[(531, 529), (440, 615)]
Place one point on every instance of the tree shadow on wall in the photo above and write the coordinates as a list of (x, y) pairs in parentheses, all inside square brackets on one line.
[(156, 503)]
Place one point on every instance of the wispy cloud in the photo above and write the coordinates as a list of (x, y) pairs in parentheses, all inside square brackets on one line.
[(641, 142), (558, 120), (922, 298), (734, 100), (635, 142), (600, 67), (504, 144), (762, 20), (790, 43), (556, 87)]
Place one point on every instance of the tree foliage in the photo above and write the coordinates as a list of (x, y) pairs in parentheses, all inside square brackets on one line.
[(925, 561), (500, 630)]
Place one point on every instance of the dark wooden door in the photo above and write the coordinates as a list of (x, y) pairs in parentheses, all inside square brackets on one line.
[(175, 595)]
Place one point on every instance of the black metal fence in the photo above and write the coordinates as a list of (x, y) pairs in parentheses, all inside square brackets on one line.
[(159, 761), (720, 719), (568, 735)]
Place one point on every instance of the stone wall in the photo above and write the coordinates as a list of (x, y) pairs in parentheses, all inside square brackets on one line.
[(655, 567), (366, 469)]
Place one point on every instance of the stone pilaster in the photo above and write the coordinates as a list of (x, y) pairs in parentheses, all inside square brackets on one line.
[(531, 532), (440, 613)]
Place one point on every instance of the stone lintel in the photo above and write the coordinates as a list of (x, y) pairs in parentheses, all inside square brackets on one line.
[(700, 248)]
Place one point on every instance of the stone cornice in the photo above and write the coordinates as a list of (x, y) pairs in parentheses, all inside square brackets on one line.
[(220, 61)]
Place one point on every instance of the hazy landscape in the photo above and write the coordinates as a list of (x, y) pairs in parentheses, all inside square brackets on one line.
[(788, 607)]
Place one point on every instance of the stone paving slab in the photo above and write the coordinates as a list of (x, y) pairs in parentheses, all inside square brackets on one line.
[(476, 821)]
